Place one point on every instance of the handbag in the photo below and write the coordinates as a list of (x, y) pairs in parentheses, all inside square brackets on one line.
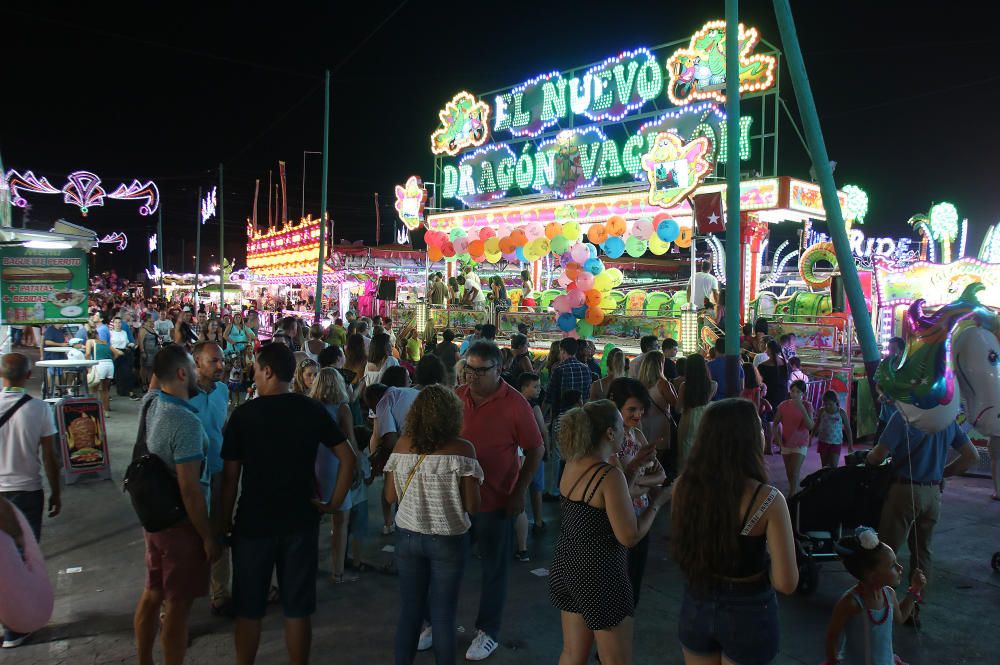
[(152, 488), (413, 471)]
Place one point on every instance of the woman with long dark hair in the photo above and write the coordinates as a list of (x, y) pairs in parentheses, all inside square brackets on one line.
[(774, 372), (695, 394), (726, 520)]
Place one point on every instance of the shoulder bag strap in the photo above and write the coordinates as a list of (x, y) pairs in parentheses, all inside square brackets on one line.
[(141, 448), (12, 410), (413, 471)]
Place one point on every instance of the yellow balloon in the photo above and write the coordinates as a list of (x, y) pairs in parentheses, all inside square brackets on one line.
[(571, 230), (493, 257), (603, 283), (657, 246), (492, 246), (614, 275), (608, 304)]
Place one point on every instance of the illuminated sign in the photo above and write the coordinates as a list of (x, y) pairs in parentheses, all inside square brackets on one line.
[(119, 239), (674, 168), (806, 197), (754, 195), (936, 283), (410, 201), (84, 190), (285, 250), (208, 205), (464, 124), (699, 71), (894, 250)]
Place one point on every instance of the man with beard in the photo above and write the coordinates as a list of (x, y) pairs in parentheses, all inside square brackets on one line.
[(178, 559)]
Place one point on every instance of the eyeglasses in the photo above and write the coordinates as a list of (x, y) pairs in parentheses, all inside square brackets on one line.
[(479, 371)]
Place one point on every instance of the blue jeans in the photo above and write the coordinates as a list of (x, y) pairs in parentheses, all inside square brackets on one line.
[(430, 575), (742, 626), (32, 504), (494, 533)]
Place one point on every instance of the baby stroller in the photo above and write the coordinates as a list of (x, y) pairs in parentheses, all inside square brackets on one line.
[(831, 502)]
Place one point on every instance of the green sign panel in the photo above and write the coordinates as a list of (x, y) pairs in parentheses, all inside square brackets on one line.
[(40, 286)]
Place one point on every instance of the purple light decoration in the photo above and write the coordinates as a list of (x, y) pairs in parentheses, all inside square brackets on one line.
[(116, 238), (139, 191), (83, 189), (208, 205), (617, 111), (29, 183)]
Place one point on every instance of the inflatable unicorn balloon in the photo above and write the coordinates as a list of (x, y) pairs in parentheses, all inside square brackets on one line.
[(950, 353)]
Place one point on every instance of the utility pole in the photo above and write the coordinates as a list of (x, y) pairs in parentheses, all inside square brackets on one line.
[(222, 242), (159, 246), (322, 213), (197, 249), (732, 316)]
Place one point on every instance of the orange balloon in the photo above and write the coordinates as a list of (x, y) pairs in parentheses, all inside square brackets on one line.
[(593, 298), (684, 237), (434, 254), (552, 229), (572, 269), (594, 316), (597, 234), (518, 238), (506, 246), (477, 248), (616, 225)]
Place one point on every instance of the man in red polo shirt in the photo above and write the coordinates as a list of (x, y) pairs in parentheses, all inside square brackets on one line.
[(498, 421)]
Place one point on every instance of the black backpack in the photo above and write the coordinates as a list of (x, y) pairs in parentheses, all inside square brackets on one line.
[(152, 488)]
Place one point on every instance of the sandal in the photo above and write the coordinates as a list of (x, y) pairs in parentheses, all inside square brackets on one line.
[(343, 578)]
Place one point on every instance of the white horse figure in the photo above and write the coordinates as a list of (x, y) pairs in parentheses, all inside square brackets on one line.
[(976, 352)]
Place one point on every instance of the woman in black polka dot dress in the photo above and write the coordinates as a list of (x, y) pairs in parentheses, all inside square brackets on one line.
[(588, 580)]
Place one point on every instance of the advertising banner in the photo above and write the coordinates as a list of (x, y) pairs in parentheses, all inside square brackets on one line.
[(83, 438), (40, 286)]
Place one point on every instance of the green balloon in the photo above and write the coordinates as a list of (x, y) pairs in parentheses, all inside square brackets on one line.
[(584, 329), (456, 233), (635, 247), (559, 244)]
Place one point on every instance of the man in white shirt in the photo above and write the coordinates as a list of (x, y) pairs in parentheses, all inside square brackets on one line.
[(27, 427), (703, 285), (472, 282)]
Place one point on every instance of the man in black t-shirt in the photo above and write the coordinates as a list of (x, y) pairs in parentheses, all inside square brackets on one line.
[(271, 442)]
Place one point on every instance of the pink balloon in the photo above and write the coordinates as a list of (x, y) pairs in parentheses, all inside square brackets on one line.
[(563, 281), (580, 253), (585, 281), (486, 233), (561, 304), (461, 245), (534, 231), (643, 229), (575, 298)]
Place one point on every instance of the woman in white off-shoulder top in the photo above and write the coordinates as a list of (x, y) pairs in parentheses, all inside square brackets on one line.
[(434, 477)]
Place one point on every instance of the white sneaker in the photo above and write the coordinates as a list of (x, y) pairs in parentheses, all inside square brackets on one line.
[(426, 640), (482, 647)]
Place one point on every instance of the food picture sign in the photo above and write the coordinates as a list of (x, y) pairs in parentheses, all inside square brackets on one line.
[(84, 439), (39, 286), (562, 132)]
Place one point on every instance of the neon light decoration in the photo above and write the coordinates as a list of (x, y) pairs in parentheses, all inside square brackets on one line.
[(152, 243), (410, 201), (484, 175), (575, 152), (674, 168), (538, 104), (622, 84), (699, 71), (464, 124), (117, 238), (83, 189), (989, 251), (857, 204), (29, 183), (286, 251), (936, 283), (944, 227), (137, 192), (208, 205), (809, 260)]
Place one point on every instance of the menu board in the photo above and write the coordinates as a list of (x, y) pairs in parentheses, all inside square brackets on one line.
[(41, 286), (84, 438)]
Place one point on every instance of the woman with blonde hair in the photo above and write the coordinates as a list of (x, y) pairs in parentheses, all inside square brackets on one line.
[(305, 375), (616, 368), (433, 477), (315, 343), (330, 390), (656, 421), (588, 580)]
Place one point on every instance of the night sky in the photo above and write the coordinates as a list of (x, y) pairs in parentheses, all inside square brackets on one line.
[(166, 91)]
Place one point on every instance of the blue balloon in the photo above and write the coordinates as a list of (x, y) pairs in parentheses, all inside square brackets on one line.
[(594, 266), (668, 230), (592, 249), (614, 247), (519, 252), (579, 312), (566, 322)]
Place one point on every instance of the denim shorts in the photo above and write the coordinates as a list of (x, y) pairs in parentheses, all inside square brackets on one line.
[(538, 480), (741, 626), (296, 557)]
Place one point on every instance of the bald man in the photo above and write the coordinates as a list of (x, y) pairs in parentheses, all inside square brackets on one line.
[(26, 427)]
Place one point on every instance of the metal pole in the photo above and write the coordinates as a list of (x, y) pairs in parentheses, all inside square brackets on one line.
[(197, 249), (303, 209), (821, 164), (159, 246), (732, 318), (222, 242), (322, 213), (378, 223)]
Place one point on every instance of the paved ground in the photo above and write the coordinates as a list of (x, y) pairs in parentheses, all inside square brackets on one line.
[(98, 535)]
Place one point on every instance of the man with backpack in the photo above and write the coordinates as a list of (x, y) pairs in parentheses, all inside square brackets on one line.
[(26, 426), (178, 557)]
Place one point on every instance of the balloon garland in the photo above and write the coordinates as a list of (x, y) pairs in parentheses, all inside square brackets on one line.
[(588, 282)]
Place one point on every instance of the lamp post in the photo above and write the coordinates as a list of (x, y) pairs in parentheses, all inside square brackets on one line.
[(322, 213)]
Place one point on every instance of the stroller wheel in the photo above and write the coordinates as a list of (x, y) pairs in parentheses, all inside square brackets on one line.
[(808, 577), (996, 562)]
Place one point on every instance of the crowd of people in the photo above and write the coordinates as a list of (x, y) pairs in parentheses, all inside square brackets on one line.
[(463, 440)]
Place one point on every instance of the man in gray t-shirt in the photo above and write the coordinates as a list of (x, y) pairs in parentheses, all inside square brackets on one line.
[(178, 559)]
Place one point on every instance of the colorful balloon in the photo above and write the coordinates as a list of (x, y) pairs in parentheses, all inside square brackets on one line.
[(591, 249), (559, 244), (534, 231), (518, 237), (615, 276), (456, 233), (579, 312), (566, 322), (477, 248), (561, 304), (608, 304), (657, 246), (593, 297), (594, 266), (635, 247), (553, 229), (461, 245), (585, 281), (519, 253), (602, 283), (486, 233), (643, 228), (597, 234), (447, 249), (434, 254), (584, 329), (571, 230), (667, 230), (594, 316), (572, 269), (684, 238), (616, 225), (614, 247), (494, 257), (492, 245), (575, 297), (579, 252)]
